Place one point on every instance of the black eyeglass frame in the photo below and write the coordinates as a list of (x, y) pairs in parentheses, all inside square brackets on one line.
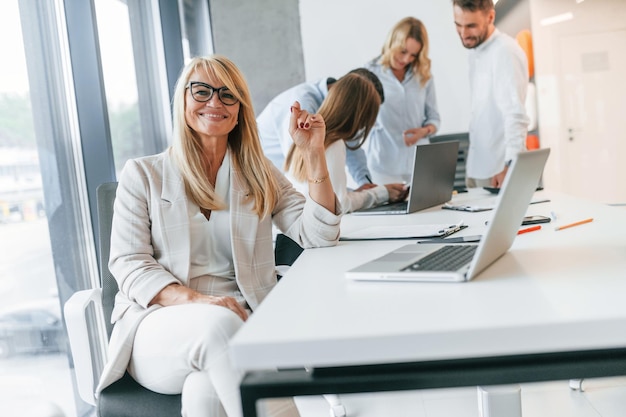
[(220, 92)]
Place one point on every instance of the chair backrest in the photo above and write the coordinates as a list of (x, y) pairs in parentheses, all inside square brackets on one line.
[(105, 195), (463, 139), (125, 397)]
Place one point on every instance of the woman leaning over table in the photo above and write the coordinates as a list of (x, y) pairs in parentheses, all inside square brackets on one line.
[(349, 110), (191, 245), (409, 115)]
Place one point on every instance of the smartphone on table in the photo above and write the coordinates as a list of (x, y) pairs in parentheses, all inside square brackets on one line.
[(535, 220)]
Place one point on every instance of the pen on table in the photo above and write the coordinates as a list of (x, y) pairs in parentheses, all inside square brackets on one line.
[(543, 200), (589, 220), (529, 229), (453, 228)]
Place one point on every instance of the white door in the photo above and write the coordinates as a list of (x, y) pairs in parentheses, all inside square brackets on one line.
[(593, 93)]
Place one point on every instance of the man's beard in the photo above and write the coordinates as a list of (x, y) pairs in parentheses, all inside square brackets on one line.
[(474, 41)]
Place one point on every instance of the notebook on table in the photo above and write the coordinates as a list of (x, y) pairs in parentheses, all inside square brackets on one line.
[(432, 180), (462, 262)]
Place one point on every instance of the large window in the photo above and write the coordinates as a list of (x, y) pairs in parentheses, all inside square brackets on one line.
[(120, 83), (35, 376), (135, 76), (77, 99)]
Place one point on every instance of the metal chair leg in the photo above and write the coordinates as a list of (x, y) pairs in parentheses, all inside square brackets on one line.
[(336, 408), (576, 384)]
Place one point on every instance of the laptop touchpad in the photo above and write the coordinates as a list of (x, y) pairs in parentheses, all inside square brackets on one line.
[(400, 256)]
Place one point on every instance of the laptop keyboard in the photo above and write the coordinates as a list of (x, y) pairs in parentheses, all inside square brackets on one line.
[(398, 207), (447, 258)]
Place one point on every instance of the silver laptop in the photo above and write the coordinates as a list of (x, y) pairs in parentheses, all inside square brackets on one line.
[(432, 180), (465, 261)]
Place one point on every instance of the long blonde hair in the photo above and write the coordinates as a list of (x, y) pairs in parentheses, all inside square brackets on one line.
[(409, 27), (349, 111), (243, 141)]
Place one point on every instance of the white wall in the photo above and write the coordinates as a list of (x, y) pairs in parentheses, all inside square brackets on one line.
[(516, 18), (589, 18), (338, 36)]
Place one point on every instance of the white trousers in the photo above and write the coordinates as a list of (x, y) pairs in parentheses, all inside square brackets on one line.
[(184, 350)]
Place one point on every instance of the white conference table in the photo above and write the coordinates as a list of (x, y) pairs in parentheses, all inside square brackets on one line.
[(551, 308)]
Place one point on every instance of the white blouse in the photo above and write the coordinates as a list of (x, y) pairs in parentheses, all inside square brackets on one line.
[(211, 268)]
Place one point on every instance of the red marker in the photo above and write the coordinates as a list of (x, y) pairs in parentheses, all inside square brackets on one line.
[(530, 229)]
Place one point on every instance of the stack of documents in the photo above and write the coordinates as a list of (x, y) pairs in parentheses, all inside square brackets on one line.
[(416, 231)]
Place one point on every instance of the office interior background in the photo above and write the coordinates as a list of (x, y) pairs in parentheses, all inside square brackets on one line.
[(86, 84)]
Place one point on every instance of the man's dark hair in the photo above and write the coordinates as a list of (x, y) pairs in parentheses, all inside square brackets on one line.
[(474, 5), (364, 72)]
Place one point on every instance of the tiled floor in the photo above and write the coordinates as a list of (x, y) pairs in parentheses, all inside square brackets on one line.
[(603, 397)]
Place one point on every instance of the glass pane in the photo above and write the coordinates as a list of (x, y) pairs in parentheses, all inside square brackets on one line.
[(196, 24), (35, 378), (120, 82)]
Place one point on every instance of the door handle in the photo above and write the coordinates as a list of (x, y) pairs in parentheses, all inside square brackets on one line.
[(571, 131)]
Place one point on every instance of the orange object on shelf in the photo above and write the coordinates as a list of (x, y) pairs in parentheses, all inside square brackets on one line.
[(532, 142), (525, 40)]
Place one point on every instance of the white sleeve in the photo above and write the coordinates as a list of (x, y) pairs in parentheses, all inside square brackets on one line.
[(350, 200), (511, 99)]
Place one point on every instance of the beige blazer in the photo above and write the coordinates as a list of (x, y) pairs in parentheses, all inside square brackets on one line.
[(150, 243)]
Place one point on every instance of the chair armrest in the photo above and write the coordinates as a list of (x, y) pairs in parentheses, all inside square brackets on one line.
[(89, 355)]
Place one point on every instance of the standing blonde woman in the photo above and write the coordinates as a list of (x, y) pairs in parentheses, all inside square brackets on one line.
[(349, 111), (191, 243), (409, 115)]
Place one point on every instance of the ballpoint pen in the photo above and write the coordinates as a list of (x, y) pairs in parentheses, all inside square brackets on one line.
[(452, 229)]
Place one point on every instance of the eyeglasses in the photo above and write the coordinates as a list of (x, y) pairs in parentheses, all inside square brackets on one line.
[(202, 93)]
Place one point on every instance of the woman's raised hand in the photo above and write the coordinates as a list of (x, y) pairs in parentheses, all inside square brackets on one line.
[(308, 131)]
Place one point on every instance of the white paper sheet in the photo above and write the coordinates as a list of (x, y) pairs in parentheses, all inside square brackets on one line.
[(397, 232)]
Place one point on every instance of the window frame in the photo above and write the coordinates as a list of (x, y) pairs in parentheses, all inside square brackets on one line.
[(72, 128)]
